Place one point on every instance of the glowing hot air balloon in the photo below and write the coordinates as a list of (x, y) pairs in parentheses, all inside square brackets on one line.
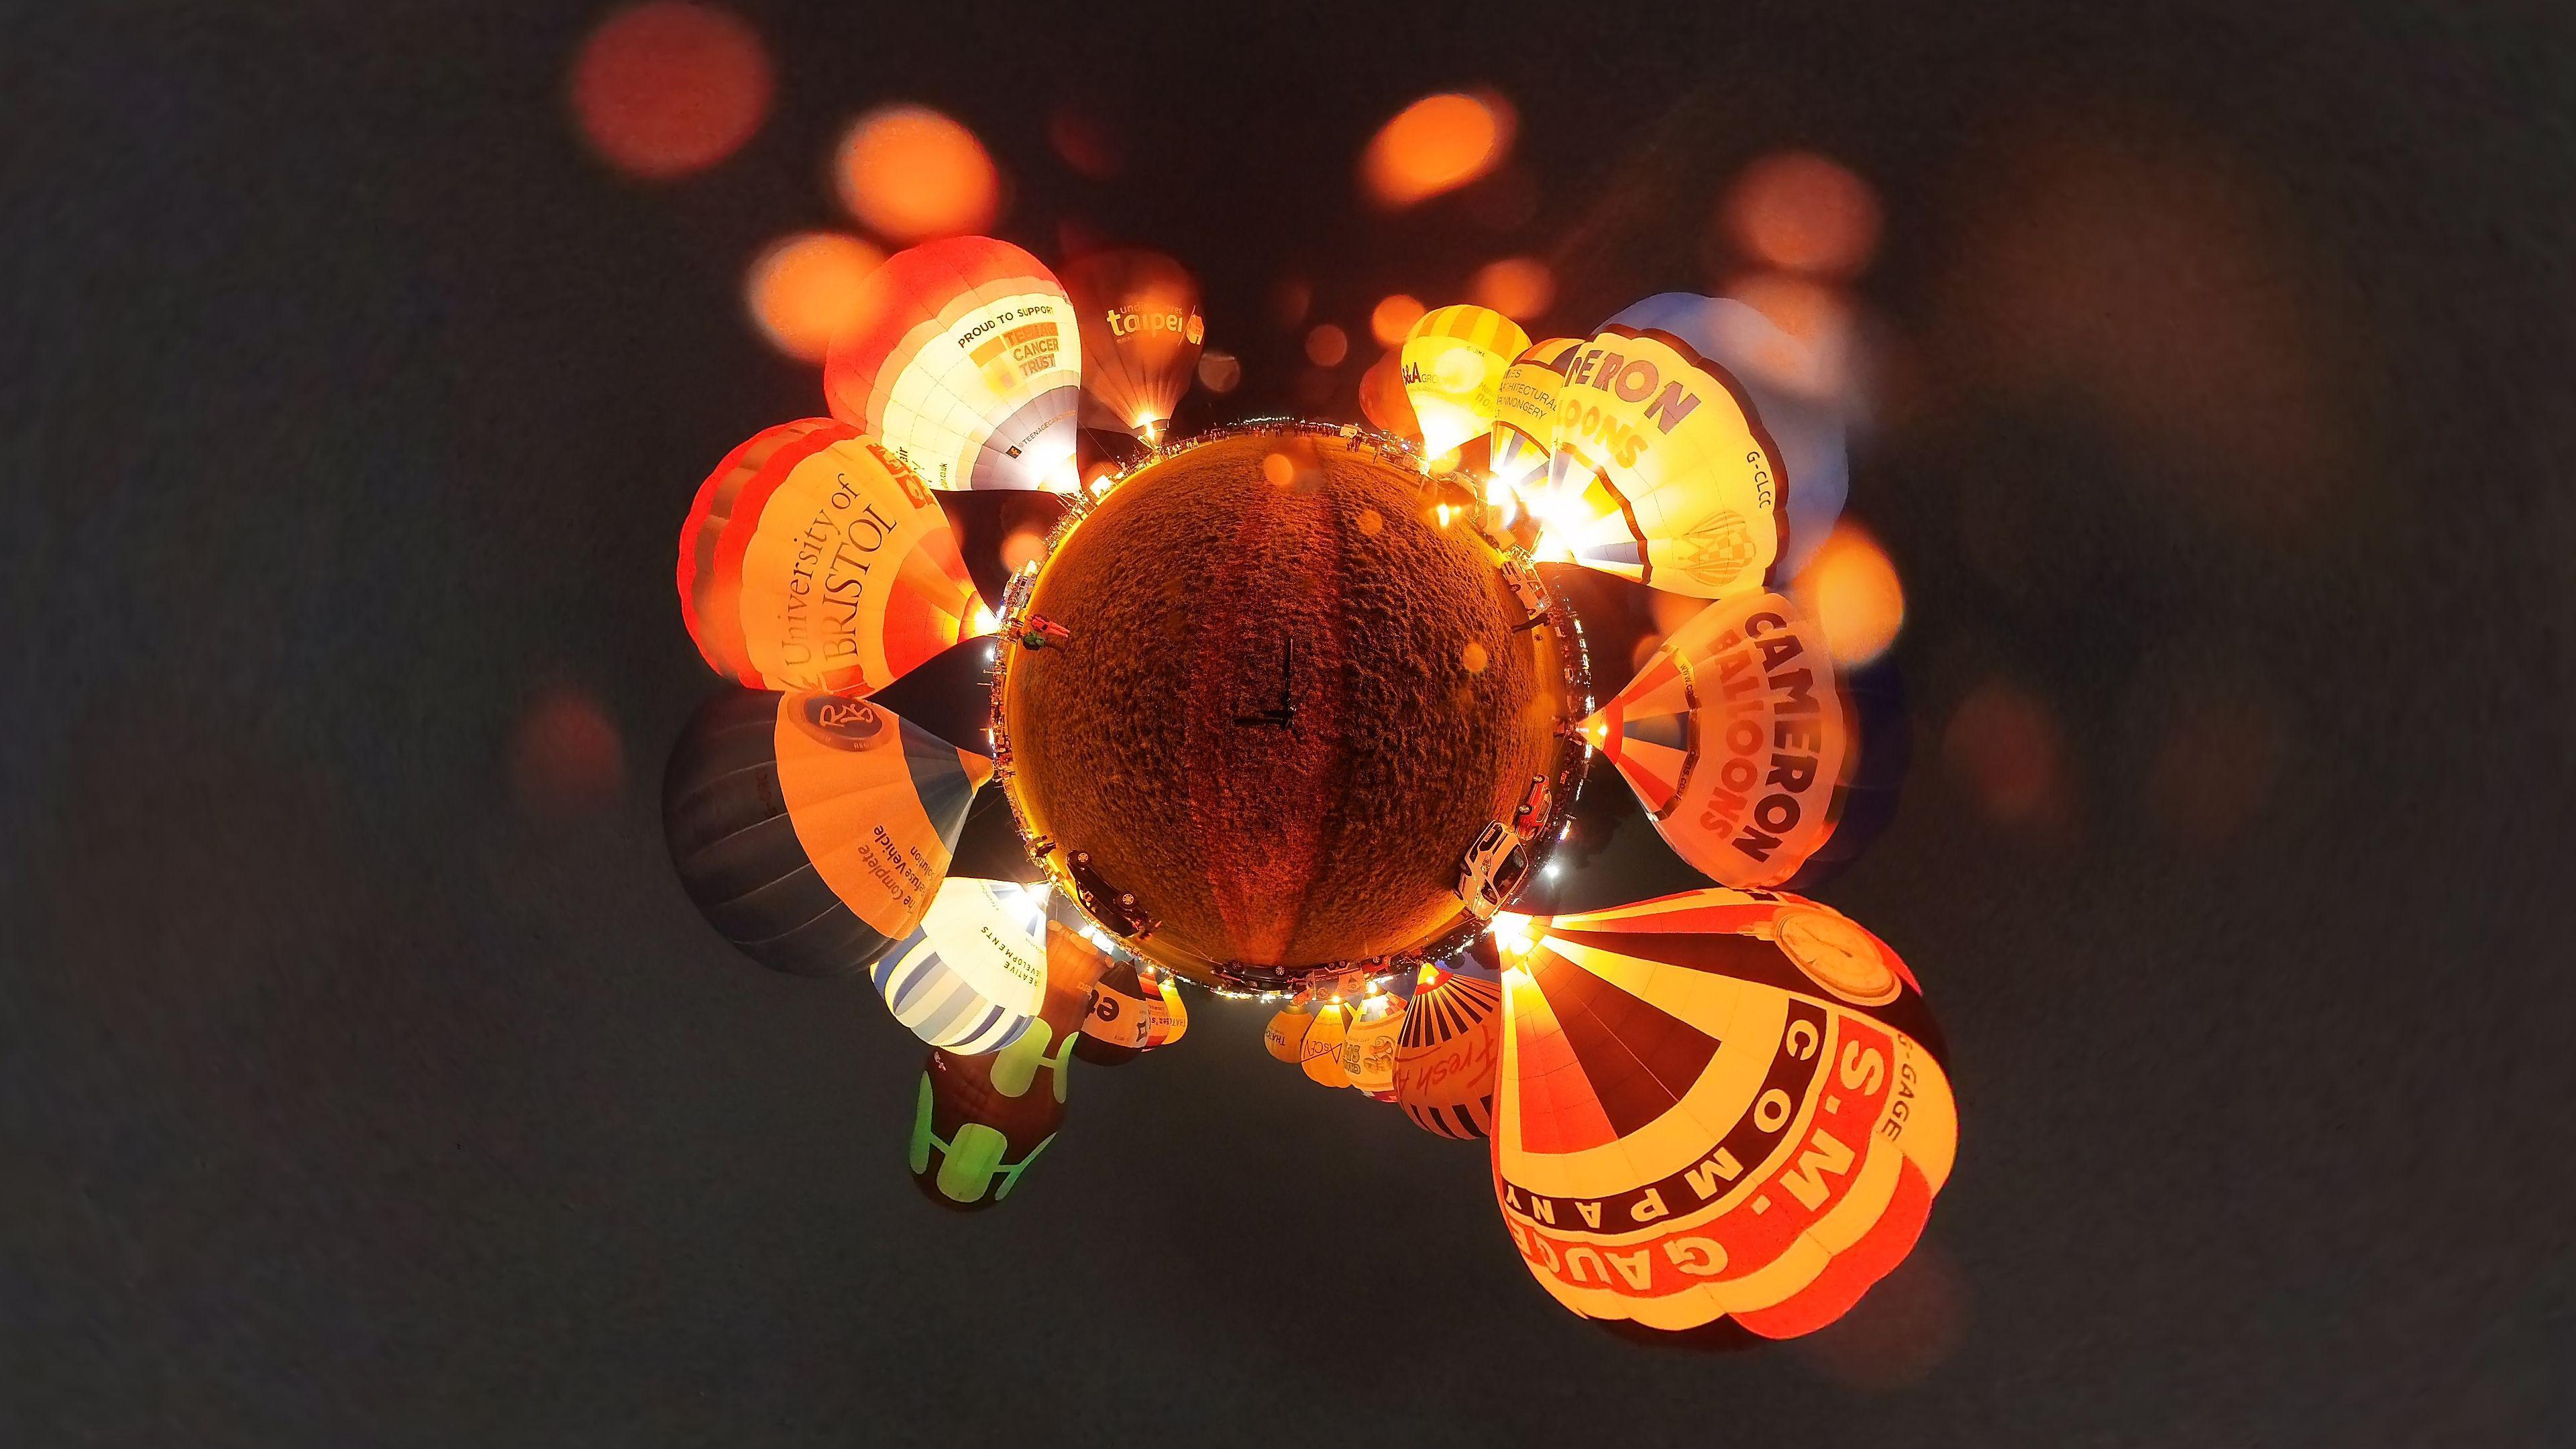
[(813, 830), (1128, 1015), (1141, 334), (1739, 740), (966, 361), (1368, 1045), (1320, 1052), (1718, 1104), (973, 977), (1285, 1037), (1454, 360), (1445, 1059), (1524, 431), (979, 1121), (1664, 471), (812, 558)]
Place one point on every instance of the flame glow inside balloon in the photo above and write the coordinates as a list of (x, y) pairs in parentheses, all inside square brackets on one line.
[(1717, 1104), (1454, 359), (1141, 334), (966, 361)]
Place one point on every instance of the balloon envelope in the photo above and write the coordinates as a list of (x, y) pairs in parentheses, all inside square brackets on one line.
[(1664, 471), (973, 976), (1454, 359), (1443, 1074), (1320, 1052), (967, 363), (1368, 1045), (1716, 1104), (1738, 739), (1141, 334), (1524, 432), (812, 830), (812, 558)]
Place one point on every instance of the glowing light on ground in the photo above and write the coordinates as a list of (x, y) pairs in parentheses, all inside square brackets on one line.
[(909, 172)]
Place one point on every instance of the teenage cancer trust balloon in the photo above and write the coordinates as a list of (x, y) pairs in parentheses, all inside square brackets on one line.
[(1720, 1104), (811, 830), (813, 558), (1454, 360), (966, 361), (1664, 472)]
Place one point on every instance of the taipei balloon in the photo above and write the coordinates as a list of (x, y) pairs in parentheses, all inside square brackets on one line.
[(1524, 431), (966, 361), (1454, 360), (1141, 335), (812, 830), (1664, 472), (813, 558), (1721, 1104)]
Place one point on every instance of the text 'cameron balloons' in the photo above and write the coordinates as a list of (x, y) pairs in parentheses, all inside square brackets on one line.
[(1524, 431), (1454, 359), (811, 830), (979, 1121), (965, 359), (812, 558), (1141, 334), (1718, 1104), (972, 978), (1739, 739), (1664, 472), (1451, 1046)]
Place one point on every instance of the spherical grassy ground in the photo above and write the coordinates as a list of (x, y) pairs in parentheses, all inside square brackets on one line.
[(1160, 738)]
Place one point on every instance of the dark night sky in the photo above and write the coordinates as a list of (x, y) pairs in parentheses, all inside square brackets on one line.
[(347, 406)]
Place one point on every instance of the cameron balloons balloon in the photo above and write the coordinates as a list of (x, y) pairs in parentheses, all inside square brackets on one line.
[(1141, 334), (1717, 1104), (810, 829), (813, 558), (966, 361), (1454, 359), (979, 1121), (1738, 739), (1664, 472), (1524, 431), (1443, 1074), (973, 977)]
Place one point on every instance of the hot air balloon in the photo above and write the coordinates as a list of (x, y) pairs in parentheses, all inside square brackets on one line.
[(973, 977), (812, 558), (979, 1121), (967, 363), (1664, 470), (1524, 431), (1445, 1059), (810, 829), (1382, 399), (1285, 1037), (1739, 740), (1716, 1104), (1454, 359), (1128, 1015), (1141, 333), (1368, 1045), (1320, 1052), (1808, 429)]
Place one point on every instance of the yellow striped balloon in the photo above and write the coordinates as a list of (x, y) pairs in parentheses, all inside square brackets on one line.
[(1454, 360)]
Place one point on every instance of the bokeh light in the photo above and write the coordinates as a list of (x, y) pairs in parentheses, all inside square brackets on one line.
[(566, 756), (1023, 547), (1518, 287), (1219, 372), (1290, 300), (668, 88), (1327, 345), (1798, 211), (1084, 144), (1437, 144), (1817, 357), (2003, 745), (1394, 317), (1852, 590), (909, 172), (805, 287)]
